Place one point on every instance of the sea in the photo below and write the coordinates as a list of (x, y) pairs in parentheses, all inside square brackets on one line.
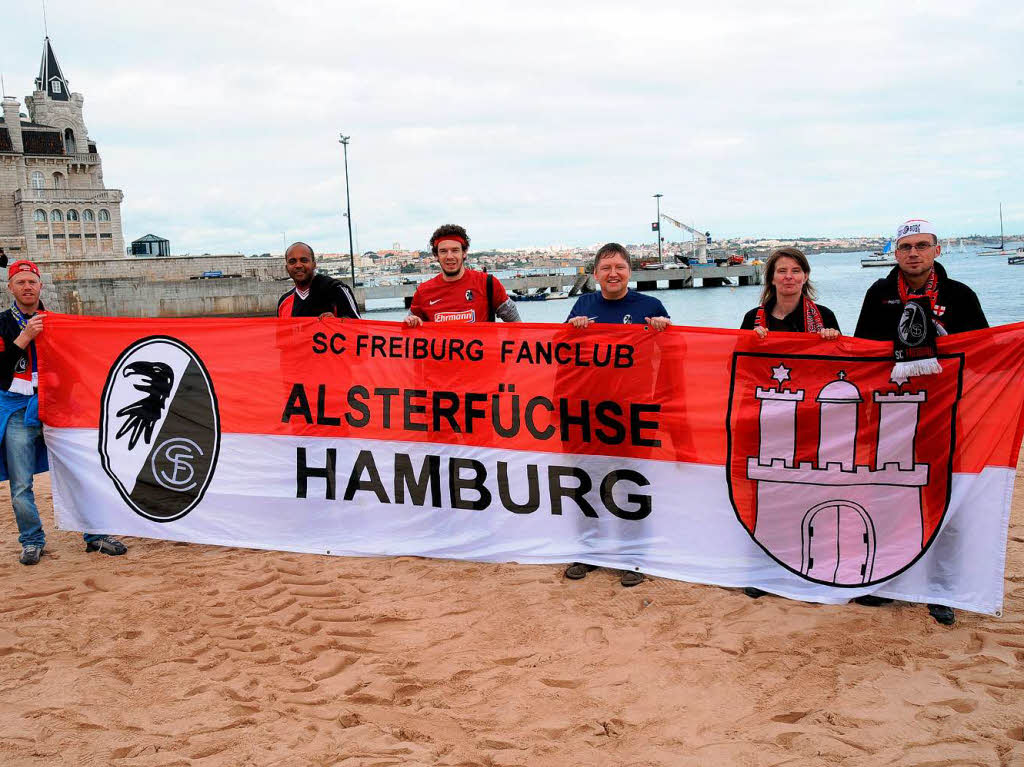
[(840, 281)]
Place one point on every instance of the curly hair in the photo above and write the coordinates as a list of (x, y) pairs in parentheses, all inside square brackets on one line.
[(448, 230)]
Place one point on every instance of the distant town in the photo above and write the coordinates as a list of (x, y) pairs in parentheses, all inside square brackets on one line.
[(398, 261)]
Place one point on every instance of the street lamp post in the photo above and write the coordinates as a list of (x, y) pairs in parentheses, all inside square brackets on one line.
[(343, 139), (657, 198)]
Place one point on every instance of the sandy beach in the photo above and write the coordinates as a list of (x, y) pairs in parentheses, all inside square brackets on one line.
[(196, 655)]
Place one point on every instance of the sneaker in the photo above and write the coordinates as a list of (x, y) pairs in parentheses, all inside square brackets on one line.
[(753, 592), (942, 614), (578, 570), (870, 600), (107, 545), (30, 554), (631, 578)]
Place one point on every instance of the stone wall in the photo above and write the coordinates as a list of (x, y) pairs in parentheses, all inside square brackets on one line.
[(163, 268), (127, 297)]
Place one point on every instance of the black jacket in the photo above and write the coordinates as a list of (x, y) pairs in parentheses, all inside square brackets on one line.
[(326, 296), (11, 355), (882, 309), (792, 322)]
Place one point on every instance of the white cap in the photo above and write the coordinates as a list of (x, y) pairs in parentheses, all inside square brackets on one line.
[(915, 226)]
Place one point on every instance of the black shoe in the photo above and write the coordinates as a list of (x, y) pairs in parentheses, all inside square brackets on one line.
[(30, 554), (753, 592), (107, 545), (631, 578), (578, 570), (942, 614), (870, 600)]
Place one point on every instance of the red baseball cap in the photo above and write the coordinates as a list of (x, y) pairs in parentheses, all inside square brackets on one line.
[(24, 265)]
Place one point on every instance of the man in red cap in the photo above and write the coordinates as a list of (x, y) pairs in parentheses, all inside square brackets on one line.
[(458, 294), (22, 452)]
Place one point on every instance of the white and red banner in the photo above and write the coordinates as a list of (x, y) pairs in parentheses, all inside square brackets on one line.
[(792, 464)]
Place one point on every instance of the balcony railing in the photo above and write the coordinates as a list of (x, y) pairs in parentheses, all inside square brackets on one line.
[(84, 158), (58, 194)]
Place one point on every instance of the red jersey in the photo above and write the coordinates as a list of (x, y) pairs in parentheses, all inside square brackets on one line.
[(464, 300)]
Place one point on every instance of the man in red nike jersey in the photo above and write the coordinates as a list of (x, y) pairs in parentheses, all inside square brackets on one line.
[(458, 294)]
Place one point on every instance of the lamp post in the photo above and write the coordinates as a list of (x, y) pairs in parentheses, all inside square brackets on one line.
[(657, 222), (343, 139)]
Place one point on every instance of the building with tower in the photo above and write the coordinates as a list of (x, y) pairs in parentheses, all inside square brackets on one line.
[(53, 202)]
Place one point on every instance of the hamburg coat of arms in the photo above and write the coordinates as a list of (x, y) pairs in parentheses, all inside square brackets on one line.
[(838, 471)]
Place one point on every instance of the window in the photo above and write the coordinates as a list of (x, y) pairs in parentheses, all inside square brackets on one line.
[(69, 141), (72, 215), (88, 215), (59, 182), (39, 216), (55, 85), (55, 215), (37, 180), (104, 215)]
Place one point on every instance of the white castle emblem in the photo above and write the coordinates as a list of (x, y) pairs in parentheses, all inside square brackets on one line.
[(838, 521)]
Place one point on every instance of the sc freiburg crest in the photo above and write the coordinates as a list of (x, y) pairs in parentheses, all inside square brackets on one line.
[(159, 428), (839, 472)]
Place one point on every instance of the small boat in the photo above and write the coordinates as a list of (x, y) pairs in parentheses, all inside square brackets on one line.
[(1016, 260), (1001, 250), (528, 296), (883, 257)]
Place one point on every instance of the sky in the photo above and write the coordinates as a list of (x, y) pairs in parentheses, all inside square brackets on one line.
[(540, 123)]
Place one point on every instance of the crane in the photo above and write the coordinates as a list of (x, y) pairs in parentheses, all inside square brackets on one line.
[(701, 240)]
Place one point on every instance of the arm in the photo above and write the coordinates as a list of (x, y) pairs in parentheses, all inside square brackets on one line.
[(13, 348), (416, 315), (659, 319), (345, 302), (864, 322), (508, 311), (974, 317)]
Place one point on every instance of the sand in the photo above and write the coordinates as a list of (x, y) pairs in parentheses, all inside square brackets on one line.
[(196, 655)]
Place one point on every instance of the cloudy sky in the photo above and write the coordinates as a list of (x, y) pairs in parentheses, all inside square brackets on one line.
[(541, 123)]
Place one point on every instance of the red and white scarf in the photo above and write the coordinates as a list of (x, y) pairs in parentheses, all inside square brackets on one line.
[(812, 317), (25, 381)]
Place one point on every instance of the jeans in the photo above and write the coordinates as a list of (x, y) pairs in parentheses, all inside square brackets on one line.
[(20, 455)]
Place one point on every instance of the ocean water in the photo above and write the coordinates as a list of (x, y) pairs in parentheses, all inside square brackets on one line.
[(839, 278)]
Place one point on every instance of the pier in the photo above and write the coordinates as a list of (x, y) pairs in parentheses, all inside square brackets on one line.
[(175, 287), (642, 279)]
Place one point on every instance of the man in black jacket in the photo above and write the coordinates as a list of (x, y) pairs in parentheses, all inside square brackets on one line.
[(314, 295), (22, 453), (955, 308)]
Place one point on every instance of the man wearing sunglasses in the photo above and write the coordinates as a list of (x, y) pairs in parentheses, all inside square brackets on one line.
[(954, 308)]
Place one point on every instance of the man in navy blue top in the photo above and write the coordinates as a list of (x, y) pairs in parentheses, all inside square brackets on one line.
[(616, 303)]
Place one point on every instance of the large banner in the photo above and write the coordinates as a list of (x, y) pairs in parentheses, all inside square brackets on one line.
[(792, 464)]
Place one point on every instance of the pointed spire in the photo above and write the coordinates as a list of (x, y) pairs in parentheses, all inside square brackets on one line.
[(51, 79)]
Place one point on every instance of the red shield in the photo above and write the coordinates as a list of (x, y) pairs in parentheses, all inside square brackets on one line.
[(841, 474)]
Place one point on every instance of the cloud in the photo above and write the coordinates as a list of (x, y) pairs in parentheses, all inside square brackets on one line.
[(538, 122)]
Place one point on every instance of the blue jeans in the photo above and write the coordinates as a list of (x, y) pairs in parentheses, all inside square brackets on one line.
[(20, 454)]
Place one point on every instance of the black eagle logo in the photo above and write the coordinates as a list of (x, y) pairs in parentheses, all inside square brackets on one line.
[(157, 378)]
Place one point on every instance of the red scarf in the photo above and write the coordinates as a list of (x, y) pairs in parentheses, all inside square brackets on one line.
[(812, 317), (929, 292)]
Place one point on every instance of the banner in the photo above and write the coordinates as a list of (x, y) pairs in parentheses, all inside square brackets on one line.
[(792, 464)]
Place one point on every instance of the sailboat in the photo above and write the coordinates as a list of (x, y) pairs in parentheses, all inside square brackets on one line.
[(1001, 250), (883, 257)]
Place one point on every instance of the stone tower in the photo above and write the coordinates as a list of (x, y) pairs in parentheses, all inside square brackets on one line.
[(53, 202)]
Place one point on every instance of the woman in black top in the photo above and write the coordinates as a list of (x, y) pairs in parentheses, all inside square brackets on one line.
[(787, 304), (787, 301)]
